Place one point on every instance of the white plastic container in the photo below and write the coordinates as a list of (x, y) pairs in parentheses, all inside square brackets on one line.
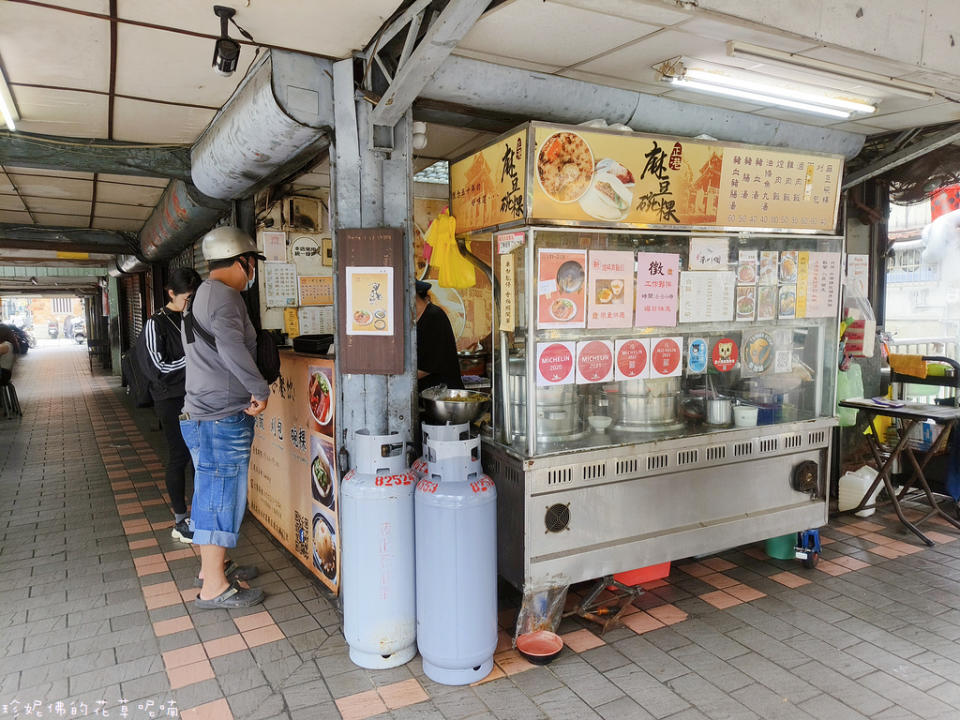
[(745, 415), (456, 528), (379, 582), (851, 488)]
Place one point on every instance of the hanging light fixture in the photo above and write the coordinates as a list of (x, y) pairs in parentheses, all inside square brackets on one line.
[(8, 108)]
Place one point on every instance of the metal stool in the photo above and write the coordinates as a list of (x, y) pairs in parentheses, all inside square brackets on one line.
[(10, 401)]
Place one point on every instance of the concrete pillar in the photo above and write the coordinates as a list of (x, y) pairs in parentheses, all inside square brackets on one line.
[(113, 294)]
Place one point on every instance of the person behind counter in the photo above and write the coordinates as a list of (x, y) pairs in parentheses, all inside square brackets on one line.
[(437, 362)]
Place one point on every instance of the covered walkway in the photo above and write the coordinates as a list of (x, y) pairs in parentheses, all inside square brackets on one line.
[(96, 618)]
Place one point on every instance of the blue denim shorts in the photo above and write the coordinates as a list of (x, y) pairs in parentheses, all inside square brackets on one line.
[(221, 458)]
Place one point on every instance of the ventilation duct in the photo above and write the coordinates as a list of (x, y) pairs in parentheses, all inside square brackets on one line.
[(127, 265), (499, 89), (277, 120), (182, 215)]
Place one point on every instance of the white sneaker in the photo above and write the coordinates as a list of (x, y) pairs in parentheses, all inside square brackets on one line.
[(183, 531)]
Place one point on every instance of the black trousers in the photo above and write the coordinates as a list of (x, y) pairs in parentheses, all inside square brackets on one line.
[(178, 455)]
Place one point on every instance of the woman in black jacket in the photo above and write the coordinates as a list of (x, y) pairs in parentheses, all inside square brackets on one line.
[(165, 348)]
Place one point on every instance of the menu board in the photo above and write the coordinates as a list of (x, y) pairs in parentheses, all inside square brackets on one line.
[(707, 296), (293, 483), (555, 363), (369, 307), (316, 289), (610, 289), (488, 187), (561, 288), (594, 361), (280, 284), (596, 176), (658, 276)]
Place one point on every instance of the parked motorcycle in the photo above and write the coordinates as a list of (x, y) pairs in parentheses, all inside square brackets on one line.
[(80, 331), (53, 329)]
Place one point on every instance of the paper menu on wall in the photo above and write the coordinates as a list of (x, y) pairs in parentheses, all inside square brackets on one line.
[(769, 267), (709, 253), (610, 291), (280, 284), (707, 296), (658, 276), (274, 245), (561, 288), (315, 320), (747, 267), (316, 289), (858, 274), (823, 278)]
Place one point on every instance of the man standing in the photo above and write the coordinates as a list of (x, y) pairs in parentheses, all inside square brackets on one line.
[(224, 391), (437, 361)]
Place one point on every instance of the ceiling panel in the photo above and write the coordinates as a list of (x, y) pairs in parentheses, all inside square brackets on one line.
[(650, 89), (135, 180), (41, 172), (5, 185), (37, 186), (11, 202), (128, 194), (561, 41), (328, 27), (647, 11), (717, 29), (48, 47), (139, 121), (859, 61), (61, 112), (858, 126), (51, 205), (62, 220), (635, 62), (101, 223), (169, 66), (124, 212), (9, 216), (944, 112)]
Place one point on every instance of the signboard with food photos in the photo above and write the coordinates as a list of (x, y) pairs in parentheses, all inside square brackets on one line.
[(577, 175), (293, 482)]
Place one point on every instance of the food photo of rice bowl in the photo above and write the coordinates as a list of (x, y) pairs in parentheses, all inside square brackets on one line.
[(610, 194)]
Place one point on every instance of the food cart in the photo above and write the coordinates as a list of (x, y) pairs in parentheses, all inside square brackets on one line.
[(665, 344)]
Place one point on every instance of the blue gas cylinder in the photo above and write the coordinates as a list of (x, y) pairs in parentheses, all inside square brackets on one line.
[(456, 543)]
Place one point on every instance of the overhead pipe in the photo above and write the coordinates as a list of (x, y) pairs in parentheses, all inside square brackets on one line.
[(534, 95), (182, 215), (278, 118), (127, 265)]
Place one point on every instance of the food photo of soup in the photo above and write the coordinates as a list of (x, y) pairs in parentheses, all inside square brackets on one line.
[(321, 397), (362, 317), (563, 309), (565, 166)]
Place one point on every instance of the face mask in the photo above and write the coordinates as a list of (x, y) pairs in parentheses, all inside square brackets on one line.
[(251, 279)]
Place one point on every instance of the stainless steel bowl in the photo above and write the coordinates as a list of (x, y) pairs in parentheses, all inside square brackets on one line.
[(447, 407)]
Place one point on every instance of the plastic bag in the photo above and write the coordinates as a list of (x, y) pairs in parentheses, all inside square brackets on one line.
[(859, 325), (541, 610), (849, 385), (455, 271)]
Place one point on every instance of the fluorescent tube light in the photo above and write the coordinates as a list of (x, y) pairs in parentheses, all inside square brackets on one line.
[(7, 107), (778, 91), (793, 60), (760, 98)]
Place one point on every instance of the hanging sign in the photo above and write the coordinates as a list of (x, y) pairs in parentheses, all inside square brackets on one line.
[(666, 357), (725, 354), (555, 363), (508, 294), (610, 294), (632, 358), (488, 187)]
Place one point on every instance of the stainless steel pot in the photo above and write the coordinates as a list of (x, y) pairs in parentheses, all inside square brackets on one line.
[(558, 413), (645, 403), (719, 410)]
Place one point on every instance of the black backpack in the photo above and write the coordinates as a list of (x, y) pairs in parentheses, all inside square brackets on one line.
[(268, 356), (139, 373)]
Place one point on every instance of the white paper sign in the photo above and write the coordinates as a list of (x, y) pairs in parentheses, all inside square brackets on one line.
[(274, 245), (858, 274), (315, 320), (707, 296), (710, 253), (823, 279), (556, 362), (280, 284)]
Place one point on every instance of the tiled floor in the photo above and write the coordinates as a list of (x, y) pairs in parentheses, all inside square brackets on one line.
[(96, 614)]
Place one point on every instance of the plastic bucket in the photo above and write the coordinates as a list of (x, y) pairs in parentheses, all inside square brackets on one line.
[(782, 547)]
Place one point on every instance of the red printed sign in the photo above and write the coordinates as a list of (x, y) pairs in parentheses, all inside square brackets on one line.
[(631, 359), (725, 354), (555, 363), (594, 361), (665, 357)]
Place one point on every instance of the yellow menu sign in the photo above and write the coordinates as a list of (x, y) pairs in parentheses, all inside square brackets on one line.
[(488, 187), (601, 177)]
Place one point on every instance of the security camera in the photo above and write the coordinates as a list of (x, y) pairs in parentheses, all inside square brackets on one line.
[(226, 51)]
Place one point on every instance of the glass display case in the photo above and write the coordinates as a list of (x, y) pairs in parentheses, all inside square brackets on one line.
[(633, 340)]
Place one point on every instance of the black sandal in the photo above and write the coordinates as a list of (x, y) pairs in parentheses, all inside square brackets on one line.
[(233, 597)]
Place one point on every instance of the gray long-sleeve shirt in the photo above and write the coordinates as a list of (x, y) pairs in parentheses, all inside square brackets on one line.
[(220, 382)]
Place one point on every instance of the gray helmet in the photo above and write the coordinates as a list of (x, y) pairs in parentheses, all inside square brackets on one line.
[(227, 242)]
